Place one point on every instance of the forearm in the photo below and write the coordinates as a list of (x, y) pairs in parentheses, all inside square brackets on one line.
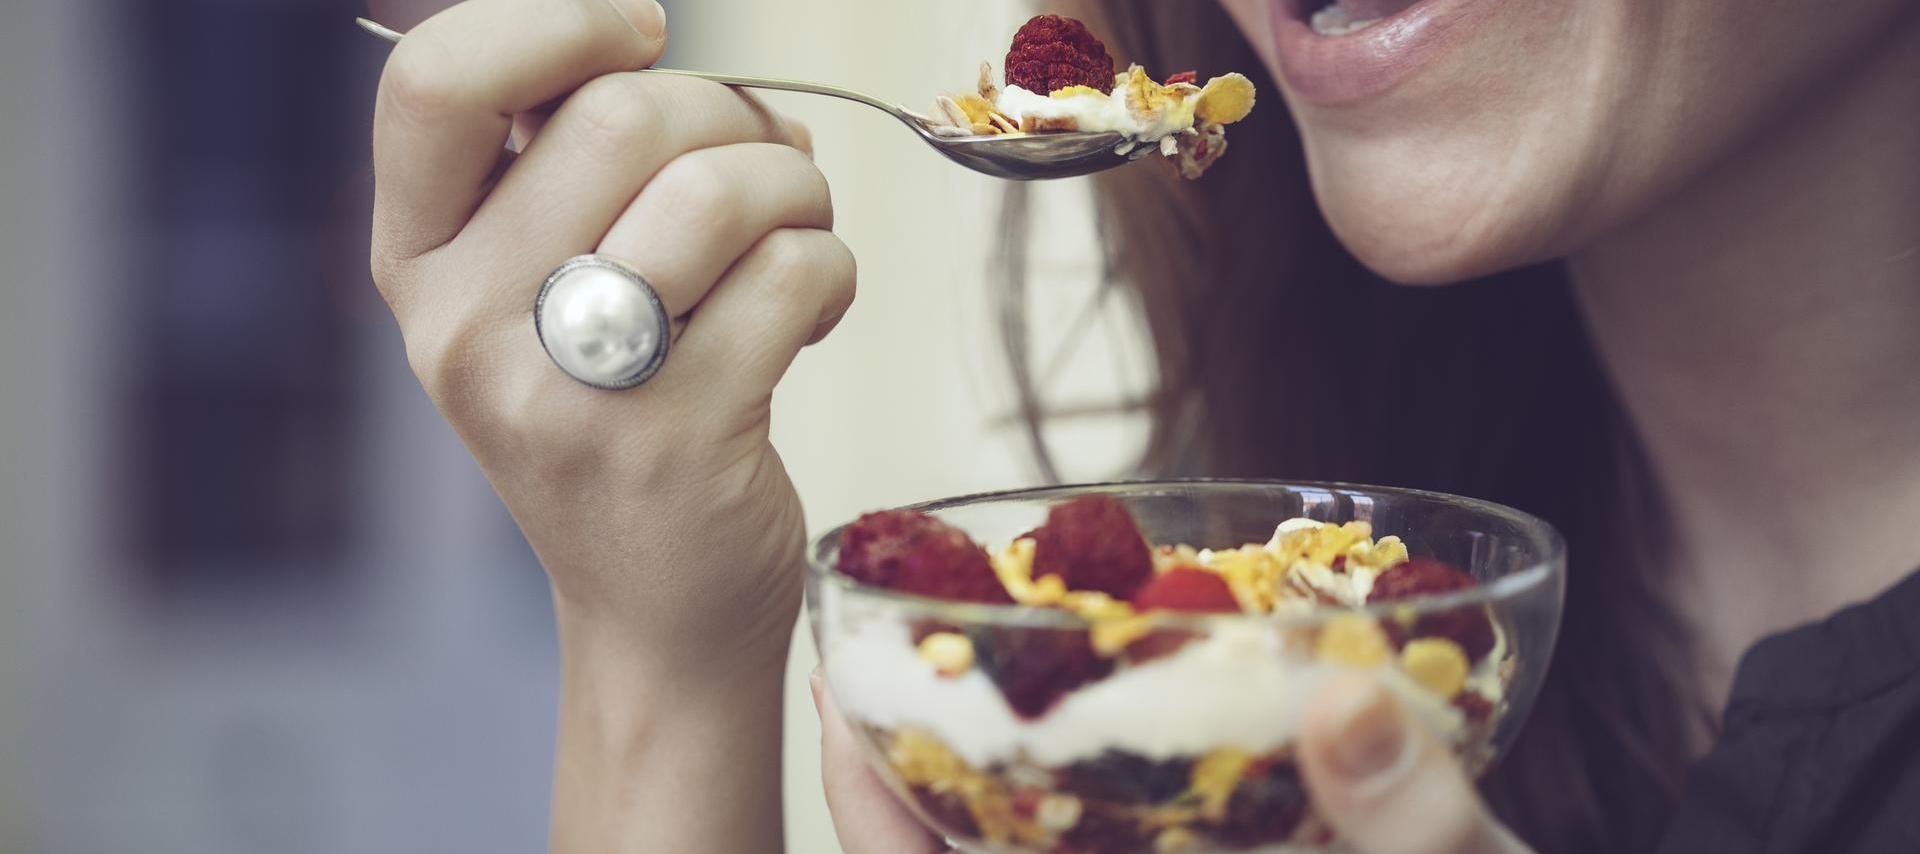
[(655, 760)]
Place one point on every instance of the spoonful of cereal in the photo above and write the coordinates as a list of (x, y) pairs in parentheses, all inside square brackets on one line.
[(1063, 113)]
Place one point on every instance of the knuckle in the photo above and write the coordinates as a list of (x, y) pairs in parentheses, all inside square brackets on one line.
[(422, 79), (387, 271), (819, 192), (802, 135), (812, 201), (842, 277), (614, 113), (698, 192), (522, 414), (846, 267), (789, 255), (803, 166), (501, 399), (810, 271), (447, 359), (393, 272)]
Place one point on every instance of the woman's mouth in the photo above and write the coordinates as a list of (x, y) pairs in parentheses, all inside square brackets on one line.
[(1348, 50)]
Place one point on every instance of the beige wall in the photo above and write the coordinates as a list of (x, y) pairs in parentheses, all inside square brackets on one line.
[(896, 406)]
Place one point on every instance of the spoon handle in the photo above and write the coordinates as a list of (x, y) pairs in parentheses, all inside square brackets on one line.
[(393, 36), (786, 86)]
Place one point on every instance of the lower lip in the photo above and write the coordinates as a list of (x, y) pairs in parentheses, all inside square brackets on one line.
[(1331, 70)]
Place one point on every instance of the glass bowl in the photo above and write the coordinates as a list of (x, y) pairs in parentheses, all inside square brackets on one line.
[(1186, 746)]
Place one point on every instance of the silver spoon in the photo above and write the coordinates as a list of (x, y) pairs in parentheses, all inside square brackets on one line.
[(1016, 157)]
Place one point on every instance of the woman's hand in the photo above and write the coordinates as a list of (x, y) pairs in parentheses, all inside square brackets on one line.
[(662, 514), (1379, 777)]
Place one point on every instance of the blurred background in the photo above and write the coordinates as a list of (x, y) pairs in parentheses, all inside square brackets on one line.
[(254, 596)]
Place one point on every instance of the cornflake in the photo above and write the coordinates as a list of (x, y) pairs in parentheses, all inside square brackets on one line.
[(1353, 640), (950, 654), (1215, 777), (1438, 664)]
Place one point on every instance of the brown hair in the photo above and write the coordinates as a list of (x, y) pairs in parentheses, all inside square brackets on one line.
[(1279, 355)]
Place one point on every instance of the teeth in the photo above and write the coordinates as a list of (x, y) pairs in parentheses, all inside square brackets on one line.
[(1336, 20)]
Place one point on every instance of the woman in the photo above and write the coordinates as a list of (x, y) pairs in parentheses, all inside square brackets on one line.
[(1702, 370)]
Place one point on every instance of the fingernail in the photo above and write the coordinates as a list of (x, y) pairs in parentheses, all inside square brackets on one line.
[(1372, 734), (814, 683)]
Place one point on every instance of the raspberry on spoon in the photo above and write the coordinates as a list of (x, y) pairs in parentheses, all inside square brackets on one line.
[(1052, 52)]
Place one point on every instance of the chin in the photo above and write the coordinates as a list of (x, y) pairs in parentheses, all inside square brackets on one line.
[(1448, 139), (1421, 221)]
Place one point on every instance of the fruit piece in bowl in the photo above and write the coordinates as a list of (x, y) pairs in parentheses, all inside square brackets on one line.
[(1124, 690)]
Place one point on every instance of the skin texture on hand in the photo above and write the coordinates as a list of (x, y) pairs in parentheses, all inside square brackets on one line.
[(664, 517)]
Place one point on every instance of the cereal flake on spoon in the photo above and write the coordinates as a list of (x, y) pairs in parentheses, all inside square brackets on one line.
[(1061, 79)]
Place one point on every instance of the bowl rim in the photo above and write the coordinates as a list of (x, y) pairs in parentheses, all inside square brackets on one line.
[(1546, 571)]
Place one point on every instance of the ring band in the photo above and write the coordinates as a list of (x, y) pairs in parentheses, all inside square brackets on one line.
[(602, 323)]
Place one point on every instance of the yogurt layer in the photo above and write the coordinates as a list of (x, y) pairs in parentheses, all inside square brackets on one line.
[(1097, 113), (1238, 687)]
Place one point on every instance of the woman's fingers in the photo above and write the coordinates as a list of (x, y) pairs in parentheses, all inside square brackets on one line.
[(452, 87), (1385, 783), (599, 159), (867, 817), (707, 208), (605, 143), (784, 294)]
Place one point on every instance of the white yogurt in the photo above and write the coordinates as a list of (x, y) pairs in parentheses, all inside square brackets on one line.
[(1095, 113), (1237, 687)]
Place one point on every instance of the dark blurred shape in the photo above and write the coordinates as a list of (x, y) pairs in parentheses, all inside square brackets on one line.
[(238, 398)]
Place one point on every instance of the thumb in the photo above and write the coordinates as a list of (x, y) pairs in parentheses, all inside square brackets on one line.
[(1385, 782), (866, 816)]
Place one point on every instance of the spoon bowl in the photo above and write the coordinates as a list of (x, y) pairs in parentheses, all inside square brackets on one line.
[(1034, 157)]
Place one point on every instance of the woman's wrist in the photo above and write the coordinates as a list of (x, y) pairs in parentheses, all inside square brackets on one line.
[(651, 649), (647, 738)]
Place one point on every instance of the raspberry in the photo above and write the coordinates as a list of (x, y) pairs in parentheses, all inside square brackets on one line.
[(1469, 626), (1186, 589), (1420, 576), (1035, 667), (1477, 708), (1092, 543), (1158, 644), (1051, 53), (912, 552), (1265, 808), (1122, 777), (1184, 77)]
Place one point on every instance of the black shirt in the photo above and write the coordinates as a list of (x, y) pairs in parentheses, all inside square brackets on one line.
[(1820, 749)]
